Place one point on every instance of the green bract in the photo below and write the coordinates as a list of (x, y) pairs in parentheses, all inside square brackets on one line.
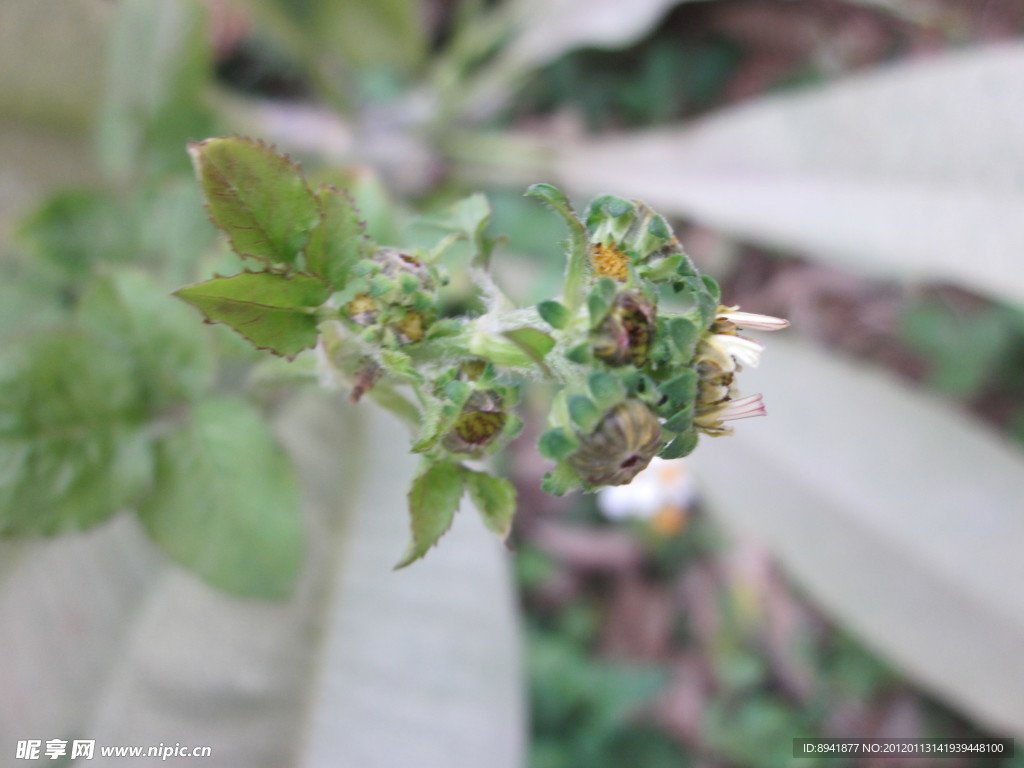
[(637, 374)]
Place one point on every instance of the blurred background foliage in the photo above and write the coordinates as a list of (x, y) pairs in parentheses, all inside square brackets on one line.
[(851, 565)]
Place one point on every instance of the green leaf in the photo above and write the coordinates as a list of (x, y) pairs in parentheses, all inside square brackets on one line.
[(469, 217), (225, 502), (606, 389), (535, 343), (274, 311), (680, 421), (433, 500), (583, 412), (77, 229), (257, 197), (600, 300), (682, 445), (554, 313), (152, 333), (72, 448), (556, 444), (684, 334), (681, 389), (339, 240), (578, 264), (495, 498)]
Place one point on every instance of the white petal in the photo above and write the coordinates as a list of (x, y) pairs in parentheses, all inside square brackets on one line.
[(744, 351), (751, 320)]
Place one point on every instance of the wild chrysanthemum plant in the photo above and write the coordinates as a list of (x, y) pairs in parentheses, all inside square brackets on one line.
[(643, 355)]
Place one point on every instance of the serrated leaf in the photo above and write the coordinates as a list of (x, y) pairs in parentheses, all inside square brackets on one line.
[(152, 333), (339, 240), (495, 499), (72, 447), (257, 197), (225, 502), (433, 500), (273, 311)]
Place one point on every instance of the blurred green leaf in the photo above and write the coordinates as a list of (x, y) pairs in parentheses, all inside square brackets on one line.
[(900, 515), (433, 500), (282, 683), (963, 351), (923, 189), (273, 311), (257, 197), (159, 64), (495, 499), (154, 333), (77, 229), (225, 502), (72, 451)]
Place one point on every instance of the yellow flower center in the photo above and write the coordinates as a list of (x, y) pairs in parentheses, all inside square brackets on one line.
[(609, 261)]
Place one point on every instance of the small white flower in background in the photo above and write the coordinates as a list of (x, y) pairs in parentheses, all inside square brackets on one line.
[(661, 494)]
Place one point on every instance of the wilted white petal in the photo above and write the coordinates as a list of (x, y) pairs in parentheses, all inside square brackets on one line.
[(744, 351), (744, 408), (752, 320)]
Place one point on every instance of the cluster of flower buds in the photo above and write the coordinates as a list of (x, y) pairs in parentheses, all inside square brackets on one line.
[(395, 297), (650, 354)]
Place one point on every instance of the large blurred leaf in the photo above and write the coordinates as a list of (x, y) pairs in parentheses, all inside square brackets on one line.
[(900, 515), (225, 502), (72, 451), (361, 666), (154, 333), (912, 171)]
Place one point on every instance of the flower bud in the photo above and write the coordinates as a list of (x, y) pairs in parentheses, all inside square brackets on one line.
[(625, 334), (480, 423), (399, 300), (619, 447)]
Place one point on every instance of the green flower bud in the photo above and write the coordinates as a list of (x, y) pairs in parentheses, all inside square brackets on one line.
[(619, 447), (625, 334), (480, 423)]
